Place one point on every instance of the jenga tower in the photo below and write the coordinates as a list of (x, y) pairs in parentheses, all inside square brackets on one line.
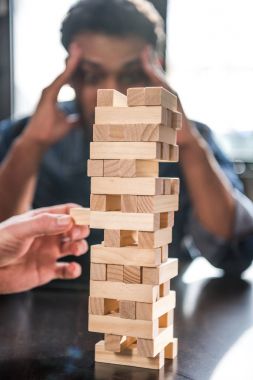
[(130, 298)]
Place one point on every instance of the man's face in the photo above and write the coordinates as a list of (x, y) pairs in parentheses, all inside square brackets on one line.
[(107, 62)]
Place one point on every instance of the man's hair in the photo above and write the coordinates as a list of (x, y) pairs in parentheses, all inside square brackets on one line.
[(119, 18)]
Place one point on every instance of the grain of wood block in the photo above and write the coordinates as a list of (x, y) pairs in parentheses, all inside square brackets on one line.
[(151, 347), (155, 239), (112, 168), (132, 274), (127, 309), (111, 98), (102, 306), (150, 311), (128, 186), (171, 349), (114, 273), (129, 203), (151, 96), (119, 238), (160, 274), (118, 343), (98, 272), (126, 150), (95, 168)]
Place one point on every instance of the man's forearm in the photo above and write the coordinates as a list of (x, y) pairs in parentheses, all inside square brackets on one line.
[(210, 190), (18, 175)]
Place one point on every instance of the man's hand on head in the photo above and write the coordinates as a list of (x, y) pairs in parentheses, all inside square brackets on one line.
[(49, 124), (31, 244), (157, 77)]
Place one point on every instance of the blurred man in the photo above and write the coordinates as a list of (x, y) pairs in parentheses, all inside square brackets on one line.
[(31, 244), (117, 44)]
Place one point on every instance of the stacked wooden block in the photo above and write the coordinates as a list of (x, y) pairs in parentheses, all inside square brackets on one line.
[(130, 298)]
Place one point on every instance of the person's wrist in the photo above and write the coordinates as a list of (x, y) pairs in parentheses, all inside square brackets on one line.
[(34, 140)]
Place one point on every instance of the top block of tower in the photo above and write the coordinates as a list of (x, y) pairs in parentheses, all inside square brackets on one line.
[(151, 96), (111, 98)]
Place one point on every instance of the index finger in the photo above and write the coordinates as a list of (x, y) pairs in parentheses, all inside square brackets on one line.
[(71, 65), (58, 209)]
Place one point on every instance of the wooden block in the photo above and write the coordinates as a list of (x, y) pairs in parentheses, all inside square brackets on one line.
[(132, 274), (114, 273), (98, 272), (128, 357), (171, 186), (118, 343), (148, 257), (129, 203), (177, 120), (126, 150), (165, 289), (124, 292), (170, 153), (80, 215), (127, 309), (95, 168), (151, 96), (102, 306), (166, 219), (150, 311), (135, 132), (166, 320), (155, 239), (171, 349), (111, 168), (129, 186), (110, 98), (133, 115), (105, 202), (151, 347), (165, 253), (157, 203), (124, 221), (119, 238), (161, 274), (113, 324), (136, 96)]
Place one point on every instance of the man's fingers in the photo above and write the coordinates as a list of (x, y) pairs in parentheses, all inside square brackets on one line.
[(58, 209), (67, 271), (76, 248), (53, 89), (43, 224)]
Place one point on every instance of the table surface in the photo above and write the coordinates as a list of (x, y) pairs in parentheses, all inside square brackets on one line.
[(43, 333)]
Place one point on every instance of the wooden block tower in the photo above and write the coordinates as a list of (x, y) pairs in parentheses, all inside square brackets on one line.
[(130, 298)]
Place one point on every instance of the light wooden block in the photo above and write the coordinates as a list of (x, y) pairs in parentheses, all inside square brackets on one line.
[(105, 202), (111, 168), (150, 311), (133, 115), (125, 221), (171, 186), (124, 292), (155, 239), (129, 357), (126, 150), (165, 253), (119, 238), (135, 132), (127, 309), (157, 203), (165, 289), (166, 219), (171, 349), (151, 96), (129, 203), (166, 319), (161, 274), (113, 324), (151, 347), (81, 215), (118, 343), (177, 120), (102, 306), (132, 274), (95, 168), (111, 98), (130, 186), (169, 153), (98, 272), (114, 273), (148, 257)]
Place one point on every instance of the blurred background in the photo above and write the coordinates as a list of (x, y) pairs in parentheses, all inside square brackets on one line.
[(209, 61)]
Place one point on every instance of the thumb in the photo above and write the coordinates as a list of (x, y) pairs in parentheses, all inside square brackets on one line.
[(43, 224)]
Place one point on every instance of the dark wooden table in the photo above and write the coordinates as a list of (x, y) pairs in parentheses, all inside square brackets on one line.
[(43, 333)]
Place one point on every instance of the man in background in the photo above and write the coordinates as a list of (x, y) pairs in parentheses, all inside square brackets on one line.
[(118, 44)]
